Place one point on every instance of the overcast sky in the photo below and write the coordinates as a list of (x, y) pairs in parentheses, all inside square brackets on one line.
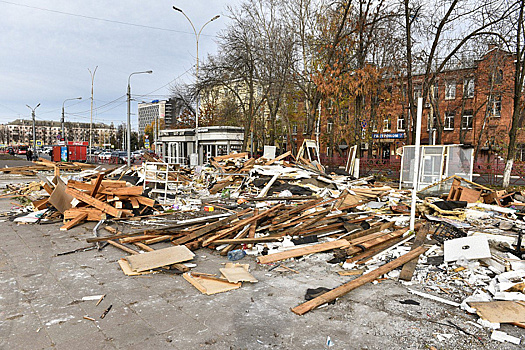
[(47, 47)]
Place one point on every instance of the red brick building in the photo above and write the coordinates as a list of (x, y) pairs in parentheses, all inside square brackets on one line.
[(470, 105)]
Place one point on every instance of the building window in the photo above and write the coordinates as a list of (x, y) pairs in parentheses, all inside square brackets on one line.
[(401, 123), (498, 77), (387, 123), (418, 91), (450, 90), (466, 120), (468, 88), (520, 152), (436, 90), (449, 121), (495, 106), (294, 129), (329, 126)]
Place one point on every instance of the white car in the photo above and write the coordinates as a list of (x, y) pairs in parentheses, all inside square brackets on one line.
[(105, 155)]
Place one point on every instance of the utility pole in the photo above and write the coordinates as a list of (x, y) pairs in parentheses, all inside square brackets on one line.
[(34, 128), (91, 110)]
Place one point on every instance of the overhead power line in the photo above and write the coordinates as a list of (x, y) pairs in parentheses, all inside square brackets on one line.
[(99, 19)]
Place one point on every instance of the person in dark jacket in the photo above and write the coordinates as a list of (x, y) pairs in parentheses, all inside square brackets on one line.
[(29, 154)]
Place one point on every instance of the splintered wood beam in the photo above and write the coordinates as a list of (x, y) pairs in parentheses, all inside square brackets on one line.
[(205, 229), (358, 282), (86, 198), (409, 267), (77, 220), (241, 224), (97, 184), (293, 253)]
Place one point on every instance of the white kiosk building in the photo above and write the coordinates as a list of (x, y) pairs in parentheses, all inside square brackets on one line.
[(177, 145)]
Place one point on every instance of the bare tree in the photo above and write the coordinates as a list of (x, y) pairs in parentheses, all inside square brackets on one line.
[(517, 43)]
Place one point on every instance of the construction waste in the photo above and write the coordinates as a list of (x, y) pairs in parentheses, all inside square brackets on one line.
[(465, 250)]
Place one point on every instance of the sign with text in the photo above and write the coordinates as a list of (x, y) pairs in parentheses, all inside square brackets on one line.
[(394, 135)]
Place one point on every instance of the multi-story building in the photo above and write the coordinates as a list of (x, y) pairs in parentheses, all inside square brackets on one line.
[(470, 103), (161, 111), (20, 131)]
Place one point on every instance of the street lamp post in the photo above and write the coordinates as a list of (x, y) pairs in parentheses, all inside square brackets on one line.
[(34, 130), (91, 111), (129, 113), (197, 36), (62, 120)]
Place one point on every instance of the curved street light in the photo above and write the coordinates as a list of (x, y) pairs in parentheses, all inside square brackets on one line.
[(197, 36), (34, 130), (129, 114), (62, 120)]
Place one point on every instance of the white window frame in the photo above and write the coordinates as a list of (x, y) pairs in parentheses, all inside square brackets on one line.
[(449, 116), (468, 117), (401, 123), (494, 102), (418, 91), (387, 123), (450, 89), (469, 87)]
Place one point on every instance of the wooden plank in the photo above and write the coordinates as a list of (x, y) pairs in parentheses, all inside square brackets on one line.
[(293, 253), (501, 311), (40, 203), (97, 184), (122, 247), (409, 267), (134, 203), (84, 197), (248, 240), (206, 229), (77, 220), (146, 201), (237, 274), (282, 156), (233, 155), (159, 258), (180, 267), (124, 191), (124, 265), (358, 282), (253, 228), (210, 285), (48, 188), (241, 224)]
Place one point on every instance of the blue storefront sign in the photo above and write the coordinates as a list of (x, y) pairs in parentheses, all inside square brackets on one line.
[(394, 135)]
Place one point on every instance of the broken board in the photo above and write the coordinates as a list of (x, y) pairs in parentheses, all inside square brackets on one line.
[(504, 311), (159, 258), (124, 265), (237, 274), (210, 285)]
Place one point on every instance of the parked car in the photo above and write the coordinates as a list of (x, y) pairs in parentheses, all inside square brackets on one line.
[(123, 156), (106, 155)]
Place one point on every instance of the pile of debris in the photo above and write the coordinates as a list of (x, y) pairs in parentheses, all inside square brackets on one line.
[(464, 250)]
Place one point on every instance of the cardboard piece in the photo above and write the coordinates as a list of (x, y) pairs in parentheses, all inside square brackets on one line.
[(59, 198), (500, 311), (473, 247), (210, 285), (159, 258)]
